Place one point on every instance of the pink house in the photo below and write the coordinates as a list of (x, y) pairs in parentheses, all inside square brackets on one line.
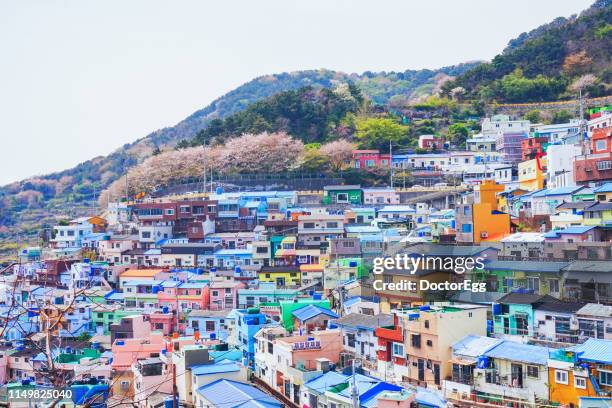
[(127, 351), (363, 159), (224, 294), (164, 322), (184, 295)]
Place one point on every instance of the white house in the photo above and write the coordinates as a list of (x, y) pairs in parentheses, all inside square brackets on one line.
[(357, 331), (560, 164), (71, 235)]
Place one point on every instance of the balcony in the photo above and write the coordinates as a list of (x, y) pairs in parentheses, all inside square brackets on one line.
[(391, 334)]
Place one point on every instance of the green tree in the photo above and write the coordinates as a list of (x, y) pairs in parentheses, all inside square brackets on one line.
[(561, 116), (376, 133), (313, 160), (458, 133), (533, 116)]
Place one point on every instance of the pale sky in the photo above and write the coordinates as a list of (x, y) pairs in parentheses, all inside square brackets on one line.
[(80, 78)]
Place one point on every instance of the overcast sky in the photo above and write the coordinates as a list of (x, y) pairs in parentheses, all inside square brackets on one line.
[(80, 78)]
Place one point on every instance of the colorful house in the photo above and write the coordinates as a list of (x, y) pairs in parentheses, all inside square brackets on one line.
[(482, 221), (248, 323), (580, 372), (531, 174), (283, 276), (349, 194)]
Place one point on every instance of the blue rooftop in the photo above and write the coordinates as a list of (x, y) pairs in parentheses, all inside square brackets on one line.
[(578, 229), (564, 190), (310, 311), (231, 394), (326, 381), (595, 350), (429, 398), (606, 188), (223, 366), (525, 353)]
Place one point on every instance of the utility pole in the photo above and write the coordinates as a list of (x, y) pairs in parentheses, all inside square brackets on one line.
[(127, 190), (354, 390), (174, 393)]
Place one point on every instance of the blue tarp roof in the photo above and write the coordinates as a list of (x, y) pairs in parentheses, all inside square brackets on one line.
[(230, 394), (310, 311), (525, 353), (595, 350)]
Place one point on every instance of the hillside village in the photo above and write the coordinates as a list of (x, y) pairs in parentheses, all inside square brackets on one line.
[(198, 296)]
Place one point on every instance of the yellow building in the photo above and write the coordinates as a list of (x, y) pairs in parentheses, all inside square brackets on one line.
[(531, 176), (283, 276)]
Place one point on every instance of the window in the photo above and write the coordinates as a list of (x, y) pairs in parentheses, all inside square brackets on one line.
[(467, 228), (605, 377), (533, 284), (309, 225), (533, 372), (601, 145), (125, 385), (210, 326), (169, 211), (350, 340), (553, 285), (429, 343), (185, 209), (580, 382), (604, 165), (427, 324), (416, 340), (215, 293), (561, 377), (398, 349), (342, 198), (332, 225), (262, 250)]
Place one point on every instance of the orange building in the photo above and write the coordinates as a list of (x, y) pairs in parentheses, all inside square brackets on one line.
[(582, 371), (482, 221)]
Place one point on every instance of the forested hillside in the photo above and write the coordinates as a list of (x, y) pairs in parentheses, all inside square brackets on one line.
[(544, 64)]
